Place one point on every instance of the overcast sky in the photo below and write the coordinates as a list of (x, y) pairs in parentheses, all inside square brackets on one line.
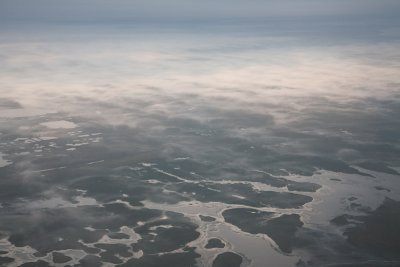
[(113, 10)]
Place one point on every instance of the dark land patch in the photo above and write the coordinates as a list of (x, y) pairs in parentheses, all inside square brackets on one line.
[(39, 263), (340, 220), (5, 260), (166, 235), (106, 189), (379, 232), (215, 243), (226, 193), (205, 218), (184, 259), (306, 165), (63, 228), (60, 258), (281, 182), (281, 229), (347, 219), (118, 236), (89, 261), (227, 259)]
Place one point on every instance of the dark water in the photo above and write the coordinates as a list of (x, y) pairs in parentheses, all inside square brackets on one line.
[(269, 144)]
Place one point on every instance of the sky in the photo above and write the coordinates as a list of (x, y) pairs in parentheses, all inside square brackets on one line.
[(175, 10)]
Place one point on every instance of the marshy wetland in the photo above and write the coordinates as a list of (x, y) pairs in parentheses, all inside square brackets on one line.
[(228, 147)]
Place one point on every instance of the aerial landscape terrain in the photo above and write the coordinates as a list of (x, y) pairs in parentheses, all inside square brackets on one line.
[(215, 134)]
